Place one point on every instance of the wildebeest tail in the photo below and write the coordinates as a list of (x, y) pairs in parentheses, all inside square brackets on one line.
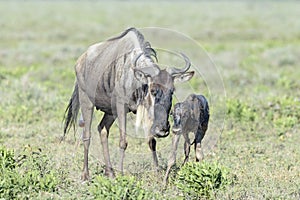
[(71, 112)]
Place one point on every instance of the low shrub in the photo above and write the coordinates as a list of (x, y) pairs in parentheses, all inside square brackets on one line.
[(240, 111), (196, 180), (26, 175), (123, 187), (283, 112), (7, 159)]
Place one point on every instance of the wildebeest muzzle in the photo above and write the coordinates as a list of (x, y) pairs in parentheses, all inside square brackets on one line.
[(161, 126), (160, 131)]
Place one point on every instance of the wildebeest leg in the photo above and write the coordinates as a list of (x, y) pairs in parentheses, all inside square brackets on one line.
[(152, 145), (172, 159), (103, 129), (198, 138), (87, 109), (121, 112), (187, 146)]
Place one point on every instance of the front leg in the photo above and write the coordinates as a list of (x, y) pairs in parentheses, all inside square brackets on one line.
[(103, 129), (172, 159), (152, 146), (187, 147), (121, 112), (87, 109)]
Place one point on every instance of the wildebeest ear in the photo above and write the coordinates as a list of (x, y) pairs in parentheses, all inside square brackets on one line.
[(144, 73), (183, 77), (140, 76)]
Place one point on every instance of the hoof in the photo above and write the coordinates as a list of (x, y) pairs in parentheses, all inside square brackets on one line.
[(166, 180), (109, 173), (85, 177), (157, 169)]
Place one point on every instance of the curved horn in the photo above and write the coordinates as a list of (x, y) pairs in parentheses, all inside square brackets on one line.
[(174, 70), (135, 59), (153, 53), (150, 50)]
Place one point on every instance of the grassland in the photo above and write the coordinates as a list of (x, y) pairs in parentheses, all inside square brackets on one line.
[(255, 46)]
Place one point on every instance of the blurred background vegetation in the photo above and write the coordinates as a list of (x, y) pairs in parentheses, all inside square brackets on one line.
[(254, 45)]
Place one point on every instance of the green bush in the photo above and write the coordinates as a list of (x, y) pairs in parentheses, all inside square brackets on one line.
[(283, 113), (26, 175), (123, 187), (196, 180), (240, 110), (7, 159)]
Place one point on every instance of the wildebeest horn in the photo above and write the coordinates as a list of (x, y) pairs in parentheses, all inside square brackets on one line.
[(174, 70), (136, 59), (150, 50), (153, 53)]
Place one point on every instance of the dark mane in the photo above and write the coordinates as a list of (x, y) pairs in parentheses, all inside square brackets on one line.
[(145, 45), (125, 32)]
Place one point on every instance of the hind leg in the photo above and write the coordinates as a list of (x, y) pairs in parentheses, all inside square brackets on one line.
[(198, 138), (87, 109)]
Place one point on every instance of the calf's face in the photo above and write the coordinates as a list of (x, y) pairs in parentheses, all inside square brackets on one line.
[(177, 118)]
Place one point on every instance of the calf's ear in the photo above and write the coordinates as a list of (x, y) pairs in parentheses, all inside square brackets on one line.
[(183, 77)]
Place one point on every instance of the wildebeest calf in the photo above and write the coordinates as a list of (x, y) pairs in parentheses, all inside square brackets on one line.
[(192, 115)]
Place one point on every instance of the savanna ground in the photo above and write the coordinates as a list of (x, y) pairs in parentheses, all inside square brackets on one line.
[(254, 45)]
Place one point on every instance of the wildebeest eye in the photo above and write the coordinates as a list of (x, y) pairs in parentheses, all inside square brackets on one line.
[(153, 91), (172, 91)]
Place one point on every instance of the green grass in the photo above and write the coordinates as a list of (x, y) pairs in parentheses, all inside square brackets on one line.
[(254, 45)]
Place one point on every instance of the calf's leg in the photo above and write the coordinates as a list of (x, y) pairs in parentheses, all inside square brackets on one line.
[(198, 138), (172, 159), (187, 146)]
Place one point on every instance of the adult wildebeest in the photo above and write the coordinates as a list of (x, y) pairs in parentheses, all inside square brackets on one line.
[(119, 76), (192, 115)]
